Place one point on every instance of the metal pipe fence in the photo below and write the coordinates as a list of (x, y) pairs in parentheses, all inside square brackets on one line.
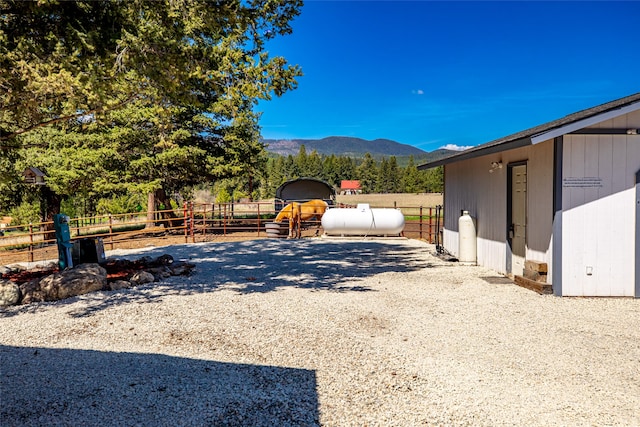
[(193, 222)]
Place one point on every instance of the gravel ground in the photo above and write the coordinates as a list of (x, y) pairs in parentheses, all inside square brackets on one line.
[(321, 332)]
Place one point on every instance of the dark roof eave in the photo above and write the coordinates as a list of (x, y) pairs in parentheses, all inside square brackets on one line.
[(472, 153), (582, 118)]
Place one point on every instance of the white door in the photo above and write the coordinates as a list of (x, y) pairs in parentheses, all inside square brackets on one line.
[(518, 216)]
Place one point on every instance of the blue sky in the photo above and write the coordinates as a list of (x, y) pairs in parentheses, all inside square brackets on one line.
[(433, 74)]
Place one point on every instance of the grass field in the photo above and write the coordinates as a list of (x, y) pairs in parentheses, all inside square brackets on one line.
[(388, 200)]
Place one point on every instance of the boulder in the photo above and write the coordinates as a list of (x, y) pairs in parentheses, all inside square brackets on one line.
[(9, 293), (11, 269), (142, 277), (145, 260), (80, 280), (165, 259), (160, 273), (31, 292), (87, 278), (181, 268), (120, 284)]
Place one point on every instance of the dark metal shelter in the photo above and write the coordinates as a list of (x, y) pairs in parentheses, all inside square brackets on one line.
[(302, 190)]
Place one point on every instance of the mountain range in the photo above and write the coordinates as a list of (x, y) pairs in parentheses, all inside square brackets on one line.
[(351, 147)]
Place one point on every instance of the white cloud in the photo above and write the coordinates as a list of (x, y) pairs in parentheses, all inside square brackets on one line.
[(417, 92), (455, 147)]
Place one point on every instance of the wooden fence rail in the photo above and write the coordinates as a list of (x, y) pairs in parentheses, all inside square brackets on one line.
[(194, 222)]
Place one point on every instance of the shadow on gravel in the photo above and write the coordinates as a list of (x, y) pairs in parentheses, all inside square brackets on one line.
[(260, 266), (42, 386)]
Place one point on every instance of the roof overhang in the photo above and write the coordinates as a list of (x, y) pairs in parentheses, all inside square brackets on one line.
[(478, 152), (581, 124), (572, 123)]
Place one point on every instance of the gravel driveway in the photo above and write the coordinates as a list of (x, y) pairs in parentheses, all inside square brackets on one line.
[(321, 332)]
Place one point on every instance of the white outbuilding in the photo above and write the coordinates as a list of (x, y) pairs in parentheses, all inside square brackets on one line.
[(560, 201)]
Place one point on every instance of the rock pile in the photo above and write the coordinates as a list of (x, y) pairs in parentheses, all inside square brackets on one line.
[(114, 274)]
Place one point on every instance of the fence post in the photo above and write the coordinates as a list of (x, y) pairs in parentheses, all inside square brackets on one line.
[(430, 238), (440, 226), (30, 242), (184, 222), (204, 219), (420, 221), (111, 231), (258, 219), (193, 224), (224, 220)]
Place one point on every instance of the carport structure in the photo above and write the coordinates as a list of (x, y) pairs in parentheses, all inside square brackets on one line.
[(303, 190)]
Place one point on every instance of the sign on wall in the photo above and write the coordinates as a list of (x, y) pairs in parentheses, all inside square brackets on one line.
[(582, 182)]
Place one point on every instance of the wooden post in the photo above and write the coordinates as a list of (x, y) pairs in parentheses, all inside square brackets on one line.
[(430, 239), (184, 222), (111, 231), (193, 224), (224, 220), (258, 219), (213, 215), (420, 221), (204, 219), (30, 242)]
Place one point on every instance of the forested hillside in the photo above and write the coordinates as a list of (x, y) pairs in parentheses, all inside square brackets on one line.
[(343, 146), (375, 176)]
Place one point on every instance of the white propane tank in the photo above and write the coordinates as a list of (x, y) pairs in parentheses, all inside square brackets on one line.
[(467, 239), (362, 220)]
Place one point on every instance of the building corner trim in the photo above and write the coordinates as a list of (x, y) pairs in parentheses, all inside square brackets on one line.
[(556, 262), (637, 239)]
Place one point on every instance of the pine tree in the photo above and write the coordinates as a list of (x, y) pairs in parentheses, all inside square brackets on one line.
[(330, 171), (139, 96), (367, 173), (314, 165), (301, 161), (411, 178), (394, 175), (433, 180)]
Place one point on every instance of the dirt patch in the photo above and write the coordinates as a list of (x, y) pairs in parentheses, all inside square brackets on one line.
[(390, 200)]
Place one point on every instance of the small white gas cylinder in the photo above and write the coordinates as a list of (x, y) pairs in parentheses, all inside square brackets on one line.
[(467, 239)]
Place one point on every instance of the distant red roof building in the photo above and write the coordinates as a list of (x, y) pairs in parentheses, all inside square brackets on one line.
[(350, 187)]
